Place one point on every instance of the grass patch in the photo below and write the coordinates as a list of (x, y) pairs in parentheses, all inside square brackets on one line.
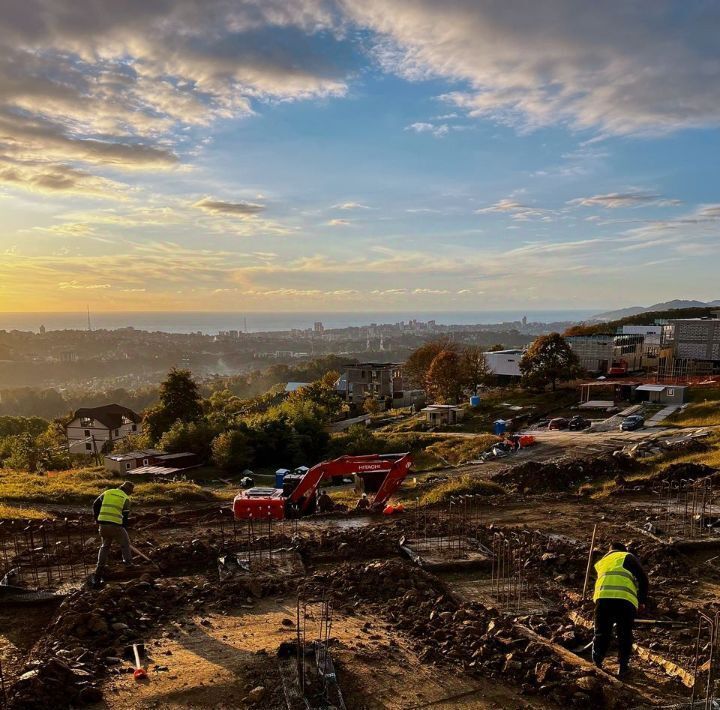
[(82, 486), (698, 414), (460, 450), (10, 512), (467, 484)]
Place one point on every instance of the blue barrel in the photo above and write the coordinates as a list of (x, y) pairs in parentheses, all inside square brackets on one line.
[(475, 401), (499, 427), (280, 477)]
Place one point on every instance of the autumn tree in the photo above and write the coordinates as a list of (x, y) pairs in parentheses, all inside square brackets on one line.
[(474, 369), (416, 367), (549, 360), (444, 379)]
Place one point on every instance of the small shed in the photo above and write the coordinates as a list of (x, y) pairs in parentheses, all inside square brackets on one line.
[(121, 463), (661, 394), (443, 414)]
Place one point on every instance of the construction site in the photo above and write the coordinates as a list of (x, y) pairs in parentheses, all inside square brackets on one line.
[(476, 601)]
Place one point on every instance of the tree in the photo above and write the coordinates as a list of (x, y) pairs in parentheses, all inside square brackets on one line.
[(196, 437), (444, 377), (25, 454), (473, 366), (232, 450), (549, 359), (372, 406), (179, 401), (133, 442), (416, 367)]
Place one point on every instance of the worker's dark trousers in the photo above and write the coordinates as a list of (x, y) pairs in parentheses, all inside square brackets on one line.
[(608, 613)]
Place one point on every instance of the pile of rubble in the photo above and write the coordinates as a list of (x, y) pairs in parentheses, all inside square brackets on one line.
[(91, 634), (689, 443), (355, 543), (564, 474), (447, 630)]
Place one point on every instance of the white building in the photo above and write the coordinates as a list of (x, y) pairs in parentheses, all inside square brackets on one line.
[(652, 333), (92, 427), (504, 362)]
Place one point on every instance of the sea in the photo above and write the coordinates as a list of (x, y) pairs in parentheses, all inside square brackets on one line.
[(210, 323)]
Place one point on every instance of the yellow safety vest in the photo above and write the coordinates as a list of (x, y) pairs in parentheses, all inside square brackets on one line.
[(112, 506), (614, 581)]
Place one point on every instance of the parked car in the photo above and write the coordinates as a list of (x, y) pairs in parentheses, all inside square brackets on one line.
[(558, 423), (631, 423), (540, 424), (578, 423)]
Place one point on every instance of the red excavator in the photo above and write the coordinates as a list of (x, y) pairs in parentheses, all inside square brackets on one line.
[(380, 473)]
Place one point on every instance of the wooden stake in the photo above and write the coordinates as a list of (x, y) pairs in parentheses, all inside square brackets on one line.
[(589, 564)]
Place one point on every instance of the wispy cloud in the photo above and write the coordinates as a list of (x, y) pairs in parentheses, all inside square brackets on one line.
[(632, 198), (236, 209), (436, 129)]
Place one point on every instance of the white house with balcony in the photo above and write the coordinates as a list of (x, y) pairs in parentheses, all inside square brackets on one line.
[(92, 428)]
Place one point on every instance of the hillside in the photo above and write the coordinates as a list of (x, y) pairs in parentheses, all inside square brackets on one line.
[(645, 318), (676, 304)]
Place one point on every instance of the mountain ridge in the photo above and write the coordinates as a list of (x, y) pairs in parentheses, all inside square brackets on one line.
[(665, 306)]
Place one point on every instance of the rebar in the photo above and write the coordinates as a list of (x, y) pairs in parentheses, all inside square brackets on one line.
[(509, 583), (686, 508)]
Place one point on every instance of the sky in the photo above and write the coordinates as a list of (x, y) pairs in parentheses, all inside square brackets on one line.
[(351, 155)]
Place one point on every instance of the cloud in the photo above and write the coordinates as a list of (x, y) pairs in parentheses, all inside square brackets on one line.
[(517, 210), (615, 200), (621, 68), (118, 84), (235, 209), (437, 130), (339, 223), (350, 206), (40, 176), (76, 285)]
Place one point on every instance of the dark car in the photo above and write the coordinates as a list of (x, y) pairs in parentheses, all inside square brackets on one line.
[(577, 423), (540, 424), (558, 423), (631, 423)]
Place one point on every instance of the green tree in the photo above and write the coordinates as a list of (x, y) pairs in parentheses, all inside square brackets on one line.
[(133, 442), (418, 363), (196, 437), (24, 453), (444, 379), (233, 450), (549, 360), (179, 401), (11, 426)]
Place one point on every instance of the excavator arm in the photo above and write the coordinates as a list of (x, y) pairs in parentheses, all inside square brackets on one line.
[(264, 503), (395, 466)]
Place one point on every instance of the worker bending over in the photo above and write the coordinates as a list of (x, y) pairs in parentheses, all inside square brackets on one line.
[(620, 592), (111, 510), (363, 503), (325, 503)]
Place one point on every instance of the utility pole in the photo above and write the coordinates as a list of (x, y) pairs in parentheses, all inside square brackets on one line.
[(88, 318)]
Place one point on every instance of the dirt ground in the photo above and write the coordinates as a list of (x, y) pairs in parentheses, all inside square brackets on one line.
[(213, 643), (214, 660)]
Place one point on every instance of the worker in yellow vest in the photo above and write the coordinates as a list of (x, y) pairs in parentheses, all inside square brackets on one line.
[(620, 593), (111, 510)]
